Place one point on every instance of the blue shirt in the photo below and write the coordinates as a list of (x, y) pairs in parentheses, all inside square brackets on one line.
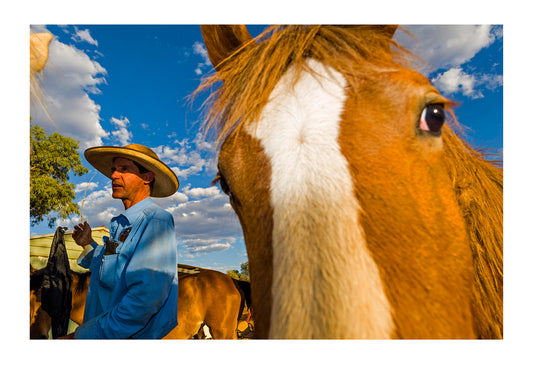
[(133, 293)]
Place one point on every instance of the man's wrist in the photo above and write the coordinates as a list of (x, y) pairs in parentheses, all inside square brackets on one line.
[(93, 245)]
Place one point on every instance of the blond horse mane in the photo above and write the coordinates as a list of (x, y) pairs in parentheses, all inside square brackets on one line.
[(478, 187), (38, 57), (242, 90)]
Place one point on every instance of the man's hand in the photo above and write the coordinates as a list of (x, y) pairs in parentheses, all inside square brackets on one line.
[(82, 234)]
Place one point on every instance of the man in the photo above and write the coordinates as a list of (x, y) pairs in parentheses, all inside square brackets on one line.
[(133, 291)]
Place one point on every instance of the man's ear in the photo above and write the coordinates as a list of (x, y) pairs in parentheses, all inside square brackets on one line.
[(149, 177)]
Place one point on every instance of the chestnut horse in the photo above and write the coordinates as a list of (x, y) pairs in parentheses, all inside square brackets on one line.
[(364, 215), (211, 298), (206, 297)]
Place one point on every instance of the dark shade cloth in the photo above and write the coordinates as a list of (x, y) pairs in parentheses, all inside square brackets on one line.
[(56, 293)]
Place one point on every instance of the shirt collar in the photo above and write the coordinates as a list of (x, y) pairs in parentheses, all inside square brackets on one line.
[(136, 210)]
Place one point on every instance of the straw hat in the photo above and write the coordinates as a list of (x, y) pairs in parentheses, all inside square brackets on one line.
[(166, 182)]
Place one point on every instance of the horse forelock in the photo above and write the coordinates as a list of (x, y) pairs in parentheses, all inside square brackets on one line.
[(244, 86)]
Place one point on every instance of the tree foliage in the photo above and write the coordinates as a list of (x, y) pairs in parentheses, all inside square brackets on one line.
[(243, 275), (52, 158)]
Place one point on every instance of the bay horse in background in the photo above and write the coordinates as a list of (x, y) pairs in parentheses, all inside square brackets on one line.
[(206, 297), (364, 214)]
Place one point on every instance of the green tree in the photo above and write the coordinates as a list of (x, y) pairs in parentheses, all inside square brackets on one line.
[(234, 274), (244, 271), (243, 275), (51, 159)]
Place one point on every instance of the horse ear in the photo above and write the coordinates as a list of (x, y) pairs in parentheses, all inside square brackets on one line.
[(39, 50), (221, 41)]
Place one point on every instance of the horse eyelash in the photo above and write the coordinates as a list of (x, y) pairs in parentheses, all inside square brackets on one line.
[(223, 185), (216, 179)]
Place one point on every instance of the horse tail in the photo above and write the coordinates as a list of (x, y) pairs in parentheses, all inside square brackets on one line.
[(242, 292), (246, 289)]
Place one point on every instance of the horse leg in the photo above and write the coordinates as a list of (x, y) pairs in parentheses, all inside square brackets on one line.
[(223, 324), (207, 332), (191, 310), (185, 329)]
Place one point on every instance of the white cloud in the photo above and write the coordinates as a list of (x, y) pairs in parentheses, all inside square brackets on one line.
[(451, 47), (456, 80), (123, 122), (205, 222), (172, 201), (199, 192), (201, 242), (121, 134), (67, 78), (100, 207), (209, 248), (68, 223), (491, 81), (83, 36), (81, 187), (203, 145), (198, 48), (184, 173), (190, 162), (444, 46), (171, 155)]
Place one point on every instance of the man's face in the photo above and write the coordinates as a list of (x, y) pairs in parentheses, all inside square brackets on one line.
[(127, 182)]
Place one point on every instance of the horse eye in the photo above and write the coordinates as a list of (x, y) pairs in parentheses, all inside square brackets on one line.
[(432, 118)]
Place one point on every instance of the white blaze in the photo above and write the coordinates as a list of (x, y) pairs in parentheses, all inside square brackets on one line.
[(325, 283)]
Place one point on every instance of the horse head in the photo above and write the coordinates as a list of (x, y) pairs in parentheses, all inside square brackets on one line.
[(333, 154)]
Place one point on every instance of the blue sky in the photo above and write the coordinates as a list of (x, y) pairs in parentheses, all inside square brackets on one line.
[(122, 84)]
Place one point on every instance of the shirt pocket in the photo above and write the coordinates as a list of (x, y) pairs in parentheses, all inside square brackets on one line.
[(108, 271)]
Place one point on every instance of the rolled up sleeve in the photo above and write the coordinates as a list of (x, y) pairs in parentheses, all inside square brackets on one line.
[(85, 258)]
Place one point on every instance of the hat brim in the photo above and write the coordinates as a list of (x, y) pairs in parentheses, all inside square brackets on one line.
[(166, 181)]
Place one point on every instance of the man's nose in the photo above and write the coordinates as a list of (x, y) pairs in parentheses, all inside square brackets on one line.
[(115, 174)]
